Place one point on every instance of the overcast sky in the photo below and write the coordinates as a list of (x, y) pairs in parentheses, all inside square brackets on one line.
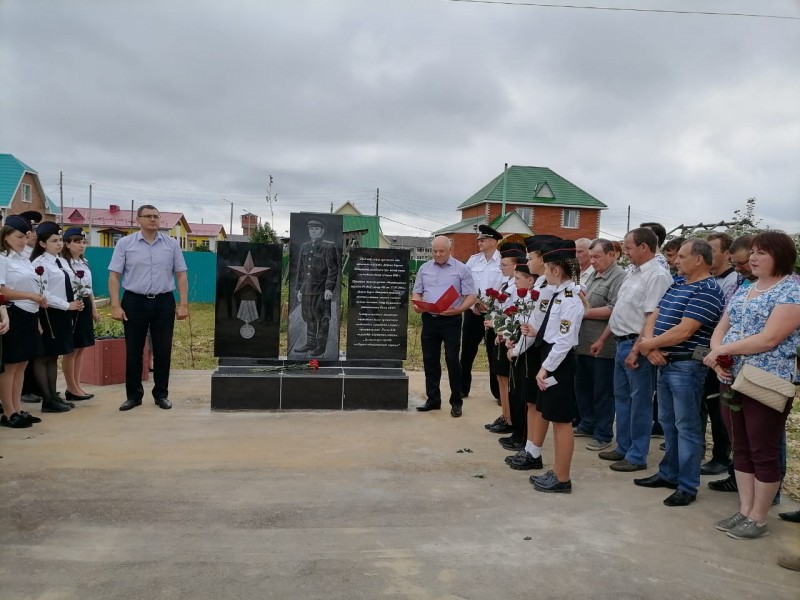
[(191, 105)]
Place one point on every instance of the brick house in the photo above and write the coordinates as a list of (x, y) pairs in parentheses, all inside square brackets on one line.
[(21, 190), (536, 200)]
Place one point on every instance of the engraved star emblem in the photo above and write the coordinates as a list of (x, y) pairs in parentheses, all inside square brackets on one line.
[(249, 274)]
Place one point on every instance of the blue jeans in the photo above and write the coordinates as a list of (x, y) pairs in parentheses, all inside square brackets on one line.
[(680, 393), (633, 400), (594, 392)]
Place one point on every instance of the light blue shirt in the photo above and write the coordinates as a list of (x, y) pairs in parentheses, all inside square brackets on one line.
[(434, 280), (147, 268)]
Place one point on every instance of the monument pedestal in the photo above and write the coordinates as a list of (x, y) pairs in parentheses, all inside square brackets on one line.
[(280, 384)]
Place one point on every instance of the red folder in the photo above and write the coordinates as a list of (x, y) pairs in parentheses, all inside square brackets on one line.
[(442, 304)]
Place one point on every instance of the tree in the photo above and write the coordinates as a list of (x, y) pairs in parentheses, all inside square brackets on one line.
[(264, 234), (747, 222)]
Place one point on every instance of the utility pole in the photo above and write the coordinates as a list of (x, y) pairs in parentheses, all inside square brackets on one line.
[(505, 177), (131, 214), (628, 226), (269, 201), (89, 240), (61, 194), (230, 230), (377, 200)]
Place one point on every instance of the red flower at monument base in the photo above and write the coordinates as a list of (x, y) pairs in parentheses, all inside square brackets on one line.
[(314, 364)]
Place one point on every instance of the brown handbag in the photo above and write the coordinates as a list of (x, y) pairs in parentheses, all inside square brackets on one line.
[(763, 386)]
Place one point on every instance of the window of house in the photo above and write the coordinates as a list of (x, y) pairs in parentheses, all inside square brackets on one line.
[(524, 213), (569, 218), (192, 244), (26, 193)]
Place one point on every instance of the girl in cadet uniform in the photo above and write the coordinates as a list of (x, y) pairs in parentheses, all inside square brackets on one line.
[(523, 369), (509, 252), (556, 338), (56, 320), (20, 343), (83, 329), (530, 456)]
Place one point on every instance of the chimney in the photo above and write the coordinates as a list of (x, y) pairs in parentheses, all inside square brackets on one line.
[(114, 208)]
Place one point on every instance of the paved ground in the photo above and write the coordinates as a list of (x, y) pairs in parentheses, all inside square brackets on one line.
[(192, 504)]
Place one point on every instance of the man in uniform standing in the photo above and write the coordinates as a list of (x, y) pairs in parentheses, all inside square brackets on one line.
[(485, 269), (317, 274)]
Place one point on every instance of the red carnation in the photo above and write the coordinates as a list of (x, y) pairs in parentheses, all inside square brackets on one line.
[(534, 295), (502, 297), (491, 292), (725, 361), (522, 292), (510, 311), (3, 300), (314, 364), (80, 274), (39, 270)]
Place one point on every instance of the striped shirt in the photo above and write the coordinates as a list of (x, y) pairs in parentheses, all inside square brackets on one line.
[(701, 301)]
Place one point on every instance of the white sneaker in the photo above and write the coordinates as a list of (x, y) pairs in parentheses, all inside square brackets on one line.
[(596, 445)]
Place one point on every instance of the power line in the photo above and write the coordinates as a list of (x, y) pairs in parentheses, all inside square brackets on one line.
[(624, 9)]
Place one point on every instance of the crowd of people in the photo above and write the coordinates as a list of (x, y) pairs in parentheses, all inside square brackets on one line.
[(688, 332), (48, 311)]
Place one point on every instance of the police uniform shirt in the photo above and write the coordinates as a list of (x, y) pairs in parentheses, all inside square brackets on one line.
[(485, 273), (20, 276), (525, 342), (545, 294), (85, 282), (508, 287), (563, 324), (54, 290)]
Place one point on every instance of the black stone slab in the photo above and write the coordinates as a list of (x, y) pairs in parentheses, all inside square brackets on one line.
[(247, 310), (239, 391), (371, 392), (377, 315), (315, 271), (344, 363), (318, 390)]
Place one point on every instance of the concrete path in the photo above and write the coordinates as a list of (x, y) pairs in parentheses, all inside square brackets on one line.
[(186, 503)]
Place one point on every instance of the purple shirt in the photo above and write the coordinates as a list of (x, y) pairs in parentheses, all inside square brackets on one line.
[(434, 280), (147, 268)]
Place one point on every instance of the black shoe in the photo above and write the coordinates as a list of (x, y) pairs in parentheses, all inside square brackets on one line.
[(680, 498), (511, 457), (526, 462), (455, 411), (29, 417), (713, 467), (163, 403), (792, 517), (428, 406), (655, 481), (497, 421), (318, 351), (503, 427), (55, 407), (70, 396), (553, 486), (509, 444), (611, 455), (15, 421), (62, 401), (129, 404), (304, 348), (550, 475), (31, 398), (724, 485)]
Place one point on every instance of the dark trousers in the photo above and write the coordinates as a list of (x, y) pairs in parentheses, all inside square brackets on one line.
[(710, 411), (158, 316), (594, 393), (435, 332), (522, 387), (472, 333)]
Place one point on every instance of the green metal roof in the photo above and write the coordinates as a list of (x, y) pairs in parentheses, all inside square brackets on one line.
[(522, 185), (11, 172), (372, 224)]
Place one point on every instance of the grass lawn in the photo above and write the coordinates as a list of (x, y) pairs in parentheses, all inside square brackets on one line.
[(193, 348)]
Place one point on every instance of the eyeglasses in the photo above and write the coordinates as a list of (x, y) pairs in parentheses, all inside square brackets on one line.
[(739, 263)]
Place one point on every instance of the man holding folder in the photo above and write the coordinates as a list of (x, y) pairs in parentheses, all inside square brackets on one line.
[(440, 323)]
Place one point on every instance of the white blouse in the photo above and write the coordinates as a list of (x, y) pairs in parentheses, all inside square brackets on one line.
[(81, 286), (20, 276), (55, 289)]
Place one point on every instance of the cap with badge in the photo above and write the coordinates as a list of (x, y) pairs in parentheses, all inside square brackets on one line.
[(540, 243), (522, 266), (48, 228), (34, 216), (74, 231), (19, 223), (561, 250), (316, 224), (511, 250), (485, 232)]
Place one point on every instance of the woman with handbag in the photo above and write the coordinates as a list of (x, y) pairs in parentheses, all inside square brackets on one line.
[(754, 346)]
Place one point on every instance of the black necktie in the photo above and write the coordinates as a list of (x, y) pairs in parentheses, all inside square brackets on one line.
[(540, 334), (67, 282)]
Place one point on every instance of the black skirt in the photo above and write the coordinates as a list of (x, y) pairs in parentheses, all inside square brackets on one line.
[(56, 331), (21, 343), (557, 402), (83, 336)]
